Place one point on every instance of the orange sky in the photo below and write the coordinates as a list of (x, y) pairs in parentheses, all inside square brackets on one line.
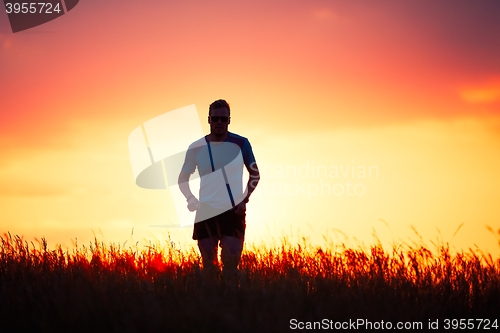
[(413, 89)]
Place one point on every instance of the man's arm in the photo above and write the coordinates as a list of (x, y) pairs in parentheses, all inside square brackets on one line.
[(187, 170), (183, 181), (253, 180)]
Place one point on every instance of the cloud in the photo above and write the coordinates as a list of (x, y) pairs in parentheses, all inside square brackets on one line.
[(324, 14), (482, 94)]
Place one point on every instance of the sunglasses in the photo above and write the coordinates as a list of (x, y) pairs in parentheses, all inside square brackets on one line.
[(215, 119)]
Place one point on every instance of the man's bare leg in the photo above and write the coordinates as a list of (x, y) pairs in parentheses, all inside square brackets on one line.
[(209, 250), (231, 254)]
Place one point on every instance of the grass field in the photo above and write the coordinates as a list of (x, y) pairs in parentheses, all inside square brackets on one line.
[(108, 288)]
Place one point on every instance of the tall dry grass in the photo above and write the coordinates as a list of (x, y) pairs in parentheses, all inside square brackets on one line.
[(109, 288)]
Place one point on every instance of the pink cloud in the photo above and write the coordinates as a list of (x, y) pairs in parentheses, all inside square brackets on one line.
[(485, 93)]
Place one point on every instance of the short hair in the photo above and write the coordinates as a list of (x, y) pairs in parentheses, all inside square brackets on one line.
[(220, 103)]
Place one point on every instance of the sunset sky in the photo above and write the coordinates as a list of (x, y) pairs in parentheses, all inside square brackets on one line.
[(397, 100)]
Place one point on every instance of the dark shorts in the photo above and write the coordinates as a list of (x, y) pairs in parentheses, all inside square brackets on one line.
[(226, 224)]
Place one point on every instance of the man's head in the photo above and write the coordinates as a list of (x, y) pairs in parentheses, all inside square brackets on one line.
[(219, 117)]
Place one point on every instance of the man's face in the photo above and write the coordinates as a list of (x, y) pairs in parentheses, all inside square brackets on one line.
[(219, 127)]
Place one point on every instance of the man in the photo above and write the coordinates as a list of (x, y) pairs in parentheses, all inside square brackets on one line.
[(221, 207)]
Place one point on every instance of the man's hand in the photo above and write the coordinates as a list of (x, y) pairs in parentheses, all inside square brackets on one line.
[(240, 208), (193, 204)]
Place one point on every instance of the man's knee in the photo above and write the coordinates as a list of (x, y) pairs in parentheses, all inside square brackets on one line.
[(232, 246), (231, 253), (208, 250)]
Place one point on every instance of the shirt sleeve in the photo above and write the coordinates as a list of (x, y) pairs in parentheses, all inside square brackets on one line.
[(189, 165), (247, 152)]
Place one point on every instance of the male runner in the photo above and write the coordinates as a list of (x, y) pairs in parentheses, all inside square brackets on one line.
[(220, 209)]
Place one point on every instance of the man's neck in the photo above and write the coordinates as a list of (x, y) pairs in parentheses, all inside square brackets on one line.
[(217, 138)]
